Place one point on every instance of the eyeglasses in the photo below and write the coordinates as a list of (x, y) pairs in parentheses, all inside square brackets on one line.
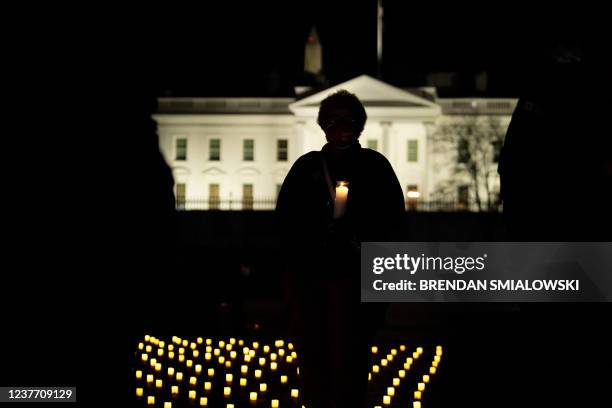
[(341, 120)]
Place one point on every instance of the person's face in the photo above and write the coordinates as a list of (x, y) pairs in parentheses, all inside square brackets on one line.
[(341, 130)]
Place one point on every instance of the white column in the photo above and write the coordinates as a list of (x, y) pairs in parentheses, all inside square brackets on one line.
[(386, 140), (427, 160)]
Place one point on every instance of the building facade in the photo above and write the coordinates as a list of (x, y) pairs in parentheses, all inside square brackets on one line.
[(234, 153)]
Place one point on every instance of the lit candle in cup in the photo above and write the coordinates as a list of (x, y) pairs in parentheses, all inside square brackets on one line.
[(167, 404), (263, 387), (192, 394), (416, 404), (179, 376), (229, 378), (283, 379), (421, 386), (203, 401), (342, 188), (274, 403), (417, 395), (396, 382), (211, 372), (432, 370), (243, 382), (425, 378), (390, 391), (149, 378), (151, 400), (227, 391), (138, 374), (139, 392), (174, 390), (386, 400), (207, 386), (253, 396), (295, 393), (198, 368), (257, 373), (158, 383), (193, 380)]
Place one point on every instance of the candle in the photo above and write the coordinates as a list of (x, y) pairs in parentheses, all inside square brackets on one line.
[(185, 343), (228, 364), (255, 345), (232, 340), (341, 196), (147, 337), (417, 395), (240, 342), (207, 356), (243, 382), (158, 383), (150, 400), (289, 359), (266, 349), (139, 392), (167, 404), (406, 366), (273, 366), (295, 393), (193, 380), (393, 352), (273, 356), (140, 346), (158, 367), (192, 345), (138, 374), (409, 360), (415, 355), (375, 369), (420, 350), (390, 391), (227, 391), (179, 376), (257, 373), (229, 406), (434, 363), (369, 376), (196, 354), (279, 343), (207, 385), (149, 378), (198, 368), (199, 340), (437, 359), (203, 401), (171, 355), (221, 359), (281, 352), (402, 373), (228, 347), (144, 357), (170, 371), (293, 354), (244, 369), (192, 394), (181, 350), (211, 372), (283, 379), (189, 363), (290, 346), (253, 396), (416, 404), (396, 382), (153, 361), (274, 403), (383, 362), (148, 348), (233, 354), (229, 377), (181, 358), (221, 343), (216, 352), (374, 349), (386, 400), (262, 361), (432, 370), (263, 387), (425, 378), (421, 386), (403, 347), (160, 352), (208, 342), (174, 390)]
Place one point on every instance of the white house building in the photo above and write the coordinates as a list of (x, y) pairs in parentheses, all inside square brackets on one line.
[(234, 153)]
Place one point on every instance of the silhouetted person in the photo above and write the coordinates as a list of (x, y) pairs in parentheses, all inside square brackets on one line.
[(333, 328), (555, 165)]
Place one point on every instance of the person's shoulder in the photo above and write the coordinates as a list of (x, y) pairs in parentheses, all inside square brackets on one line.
[(374, 156), (308, 157)]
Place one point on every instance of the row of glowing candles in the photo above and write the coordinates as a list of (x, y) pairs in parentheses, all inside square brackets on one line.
[(418, 393), (249, 355)]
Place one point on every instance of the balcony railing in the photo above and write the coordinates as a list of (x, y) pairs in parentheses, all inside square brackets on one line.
[(269, 203)]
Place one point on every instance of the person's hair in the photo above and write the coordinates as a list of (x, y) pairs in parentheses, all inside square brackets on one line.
[(344, 99)]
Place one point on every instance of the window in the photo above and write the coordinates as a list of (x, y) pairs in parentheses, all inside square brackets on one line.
[(213, 196), (463, 196), (413, 150), (412, 194), (214, 150), (463, 151), (248, 150), (181, 195), (281, 149), (497, 146), (247, 196), (180, 149), (373, 144)]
